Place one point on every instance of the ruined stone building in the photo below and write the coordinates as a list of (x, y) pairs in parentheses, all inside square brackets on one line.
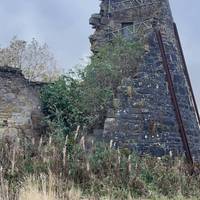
[(19, 105), (160, 116)]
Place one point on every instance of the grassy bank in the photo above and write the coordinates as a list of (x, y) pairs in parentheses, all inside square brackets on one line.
[(53, 169)]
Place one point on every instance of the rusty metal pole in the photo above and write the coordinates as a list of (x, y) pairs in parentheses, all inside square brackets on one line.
[(174, 98), (186, 71)]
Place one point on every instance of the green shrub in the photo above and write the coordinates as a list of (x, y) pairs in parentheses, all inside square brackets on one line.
[(61, 104)]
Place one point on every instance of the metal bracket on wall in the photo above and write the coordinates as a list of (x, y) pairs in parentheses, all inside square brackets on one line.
[(174, 98)]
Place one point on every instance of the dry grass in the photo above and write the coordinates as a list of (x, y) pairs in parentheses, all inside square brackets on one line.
[(50, 170), (41, 189)]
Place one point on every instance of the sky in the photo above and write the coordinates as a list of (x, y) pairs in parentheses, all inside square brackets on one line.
[(63, 25)]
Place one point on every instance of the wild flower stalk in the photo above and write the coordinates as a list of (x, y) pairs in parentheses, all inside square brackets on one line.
[(50, 140), (64, 156), (40, 143), (92, 142), (66, 140), (87, 166), (129, 164), (119, 156), (13, 160), (76, 133), (33, 141), (170, 154), (82, 143), (111, 144)]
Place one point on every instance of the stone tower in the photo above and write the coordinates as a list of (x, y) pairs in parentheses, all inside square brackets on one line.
[(159, 114)]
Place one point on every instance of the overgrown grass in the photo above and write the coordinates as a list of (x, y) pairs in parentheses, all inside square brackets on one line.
[(48, 169)]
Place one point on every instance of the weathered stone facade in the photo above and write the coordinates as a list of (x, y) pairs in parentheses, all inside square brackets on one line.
[(19, 105), (145, 120)]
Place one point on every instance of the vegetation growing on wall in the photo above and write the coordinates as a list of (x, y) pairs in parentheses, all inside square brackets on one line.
[(81, 98)]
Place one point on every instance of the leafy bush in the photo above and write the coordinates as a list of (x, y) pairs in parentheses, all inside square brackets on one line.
[(82, 98), (61, 104)]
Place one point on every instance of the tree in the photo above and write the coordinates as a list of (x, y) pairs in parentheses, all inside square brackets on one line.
[(13, 55), (101, 78), (35, 60)]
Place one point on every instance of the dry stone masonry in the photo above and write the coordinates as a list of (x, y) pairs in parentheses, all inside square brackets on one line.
[(19, 105), (153, 117)]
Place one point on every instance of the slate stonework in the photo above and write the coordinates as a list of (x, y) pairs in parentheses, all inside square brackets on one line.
[(145, 121), (19, 105)]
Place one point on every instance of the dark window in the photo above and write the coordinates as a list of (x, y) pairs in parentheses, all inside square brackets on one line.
[(127, 30)]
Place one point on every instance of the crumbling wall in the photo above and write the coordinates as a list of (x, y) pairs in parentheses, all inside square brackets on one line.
[(19, 105)]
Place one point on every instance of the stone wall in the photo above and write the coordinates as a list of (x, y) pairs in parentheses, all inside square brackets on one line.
[(19, 105), (144, 119)]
